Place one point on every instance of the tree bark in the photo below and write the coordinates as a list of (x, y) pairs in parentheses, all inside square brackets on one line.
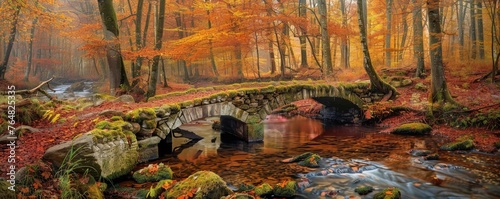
[(344, 48), (158, 43), (439, 89), (10, 44), (418, 41), (180, 26), (480, 29), (136, 70), (377, 84), (388, 30), (325, 38), (472, 29), (118, 77), (303, 33), (212, 57), (30, 50)]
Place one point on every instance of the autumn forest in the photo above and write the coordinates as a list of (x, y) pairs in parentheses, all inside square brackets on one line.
[(249, 98)]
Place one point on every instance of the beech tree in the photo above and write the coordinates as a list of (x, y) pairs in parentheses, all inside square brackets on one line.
[(439, 90), (158, 43), (418, 38), (377, 84), (10, 44)]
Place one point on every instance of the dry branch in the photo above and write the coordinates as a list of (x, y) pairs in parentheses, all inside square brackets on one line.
[(36, 89)]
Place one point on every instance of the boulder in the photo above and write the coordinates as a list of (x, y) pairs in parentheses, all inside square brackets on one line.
[(109, 155), (125, 99), (466, 144), (363, 190), (75, 87), (412, 129), (307, 159), (153, 173), (389, 193), (206, 184), (285, 189)]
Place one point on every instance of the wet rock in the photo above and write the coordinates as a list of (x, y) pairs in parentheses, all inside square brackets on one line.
[(433, 156), (285, 189), (420, 86), (205, 183), (467, 144), (153, 173), (306, 159), (420, 152), (263, 189), (412, 129), (389, 193), (76, 87), (363, 190)]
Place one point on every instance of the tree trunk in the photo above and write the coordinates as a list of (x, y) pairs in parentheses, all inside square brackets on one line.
[(480, 29), (403, 38), (257, 54), (439, 89), (303, 33), (180, 26), (344, 48), (12, 36), (118, 77), (136, 70), (212, 57), (461, 16), (160, 12), (377, 84), (418, 41), (30, 50), (325, 38), (388, 30), (472, 29), (146, 26)]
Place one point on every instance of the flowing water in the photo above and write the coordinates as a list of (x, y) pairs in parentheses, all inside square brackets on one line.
[(353, 156), (59, 91)]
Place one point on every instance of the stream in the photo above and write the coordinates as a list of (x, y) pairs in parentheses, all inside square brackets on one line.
[(352, 156)]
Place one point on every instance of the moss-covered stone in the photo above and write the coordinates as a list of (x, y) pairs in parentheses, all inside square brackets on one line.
[(206, 183), (433, 156), (153, 173), (285, 189), (254, 118), (255, 132), (307, 159), (263, 189), (245, 187), (363, 190), (466, 144), (141, 114), (116, 118), (412, 129), (389, 193)]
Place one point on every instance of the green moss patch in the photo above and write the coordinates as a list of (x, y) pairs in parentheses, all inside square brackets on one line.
[(389, 193), (263, 189), (153, 173), (206, 184), (363, 190), (412, 129), (307, 159), (466, 144), (141, 114), (285, 189)]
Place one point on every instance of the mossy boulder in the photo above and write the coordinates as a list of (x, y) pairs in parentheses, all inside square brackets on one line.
[(389, 193), (363, 190), (466, 144), (412, 129), (153, 173), (141, 114), (206, 183), (285, 189), (307, 159), (263, 189)]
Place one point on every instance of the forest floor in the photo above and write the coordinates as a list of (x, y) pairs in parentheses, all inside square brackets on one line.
[(477, 96)]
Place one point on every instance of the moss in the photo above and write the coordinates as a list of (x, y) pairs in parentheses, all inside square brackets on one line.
[(263, 189), (149, 124), (255, 118), (255, 132), (141, 114), (269, 89), (94, 192), (412, 129), (245, 187), (186, 104), (197, 101), (232, 93), (175, 108), (285, 189), (153, 173), (466, 144), (206, 183), (363, 190), (389, 193), (433, 156), (102, 125)]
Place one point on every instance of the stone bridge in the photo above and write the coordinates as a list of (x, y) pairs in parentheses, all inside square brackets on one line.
[(243, 110), (117, 144)]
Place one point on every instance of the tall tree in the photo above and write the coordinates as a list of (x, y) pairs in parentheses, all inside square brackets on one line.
[(472, 30), (325, 38), (480, 29), (136, 70), (439, 89), (118, 76), (388, 13), (30, 49), (303, 34), (10, 44), (344, 42), (377, 84), (158, 43), (418, 41)]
